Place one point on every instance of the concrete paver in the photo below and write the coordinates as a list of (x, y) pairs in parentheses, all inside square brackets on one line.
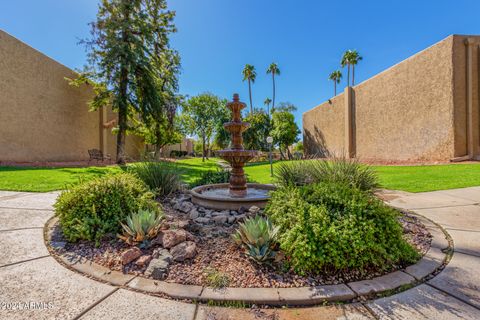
[(428, 200), (126, 304), (422, 302), (462, 217), (467, 242), (350, 312), (20, 245), (66, 294), (461, 278), (39, 201), (22, 218)]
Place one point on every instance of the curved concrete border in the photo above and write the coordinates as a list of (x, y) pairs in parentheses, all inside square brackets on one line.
[(427, 267)]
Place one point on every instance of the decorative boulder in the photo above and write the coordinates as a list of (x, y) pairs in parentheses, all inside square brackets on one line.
[(130, 255), (143, 260), (157, 269), (173, 237), (183, 251)]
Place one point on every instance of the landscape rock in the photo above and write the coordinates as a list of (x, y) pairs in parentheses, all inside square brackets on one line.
[(143, 260), (157, 269), (220, 213), (231, 220), (240, 217), (130, 254), (202, 220), (173, 237), (193, 214), (186, 207), (242, 210), (220, 219), (183, 251), (253, 210), (162, 254)]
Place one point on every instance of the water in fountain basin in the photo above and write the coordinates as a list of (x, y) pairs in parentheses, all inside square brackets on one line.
[(223, 193)]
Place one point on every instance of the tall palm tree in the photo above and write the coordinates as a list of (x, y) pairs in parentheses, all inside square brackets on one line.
[(350, 58), (346, 62), (354, 58), (335, 76), (249, 74), (274, 70), (267, 103)]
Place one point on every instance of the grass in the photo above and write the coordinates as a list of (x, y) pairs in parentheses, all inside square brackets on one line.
[(406, 178), (47, 179)]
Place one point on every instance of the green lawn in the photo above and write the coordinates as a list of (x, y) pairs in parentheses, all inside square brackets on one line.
[(407, 178)]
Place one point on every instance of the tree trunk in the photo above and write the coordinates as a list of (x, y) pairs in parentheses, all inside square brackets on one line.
[(203, 147), (158, 145), (289, 154), (123, 96), (334, 87), (273, 99), (348, 75), (250, 93), (353, 75), (282, 156)]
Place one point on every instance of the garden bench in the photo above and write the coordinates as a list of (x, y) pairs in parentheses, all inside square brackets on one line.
[(96, 154)]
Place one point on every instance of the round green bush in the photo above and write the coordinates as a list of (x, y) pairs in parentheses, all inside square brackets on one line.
[(331, 227), (94, 209)]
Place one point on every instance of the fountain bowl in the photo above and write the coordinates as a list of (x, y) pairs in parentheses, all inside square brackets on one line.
[(217, 196)]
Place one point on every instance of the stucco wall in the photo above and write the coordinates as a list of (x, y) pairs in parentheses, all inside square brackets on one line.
[(404, 113), (42, 118), (324, 128)]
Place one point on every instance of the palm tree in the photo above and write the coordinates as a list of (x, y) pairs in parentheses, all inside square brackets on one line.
[(249, 74), (274, 70), (335, 76), (354, 58), (350, 58), (346, 62), (267, 103)]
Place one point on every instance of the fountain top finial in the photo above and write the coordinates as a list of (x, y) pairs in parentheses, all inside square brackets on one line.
[(236, 97)]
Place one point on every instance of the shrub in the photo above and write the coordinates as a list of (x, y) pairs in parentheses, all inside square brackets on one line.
[(340, 169), (141, 227), (259, 238), (216, 279), (334, 227), (211, 177), (178, 153), (94, 209), (161, 177)]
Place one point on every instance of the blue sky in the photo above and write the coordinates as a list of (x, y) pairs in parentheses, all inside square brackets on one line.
[(216, 38)]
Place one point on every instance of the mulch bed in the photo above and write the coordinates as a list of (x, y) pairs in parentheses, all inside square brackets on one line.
[(219, 255)]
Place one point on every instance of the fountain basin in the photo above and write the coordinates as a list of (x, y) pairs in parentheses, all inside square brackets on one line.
[(217, 196)]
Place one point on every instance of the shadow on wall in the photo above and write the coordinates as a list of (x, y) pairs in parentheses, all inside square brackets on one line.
[(315, 144)]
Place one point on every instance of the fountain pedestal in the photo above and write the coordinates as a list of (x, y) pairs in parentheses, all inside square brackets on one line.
[(239, 192)]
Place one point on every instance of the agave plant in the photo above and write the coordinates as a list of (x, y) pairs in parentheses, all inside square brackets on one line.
[(141, 227), (259, 237)]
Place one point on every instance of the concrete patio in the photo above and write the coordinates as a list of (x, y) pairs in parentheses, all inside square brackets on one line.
[(35, 286)]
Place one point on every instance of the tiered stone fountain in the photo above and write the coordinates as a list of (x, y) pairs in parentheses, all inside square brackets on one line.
[(237, 193)]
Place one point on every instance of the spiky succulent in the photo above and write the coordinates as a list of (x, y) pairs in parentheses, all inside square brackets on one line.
[(259, 237), (141, 227)]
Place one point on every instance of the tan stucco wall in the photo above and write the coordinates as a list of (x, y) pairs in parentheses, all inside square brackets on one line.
[(403, 113), (42, 118), (324, 128)]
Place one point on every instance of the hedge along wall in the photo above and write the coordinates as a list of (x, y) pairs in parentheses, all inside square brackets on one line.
[(403, 113)]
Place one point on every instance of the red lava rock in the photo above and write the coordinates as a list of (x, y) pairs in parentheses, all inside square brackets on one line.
[(183, 251), (173, 237), (130, 255), (143, 260)]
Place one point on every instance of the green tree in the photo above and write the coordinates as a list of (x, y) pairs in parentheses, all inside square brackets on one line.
[(354, 58), (222, 136), (274, 70), (250, 75), (350, 58), (254, 138), (335, 76), (200, 116), (285, 106), (267, 103), (123, 43), (284, 131)]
